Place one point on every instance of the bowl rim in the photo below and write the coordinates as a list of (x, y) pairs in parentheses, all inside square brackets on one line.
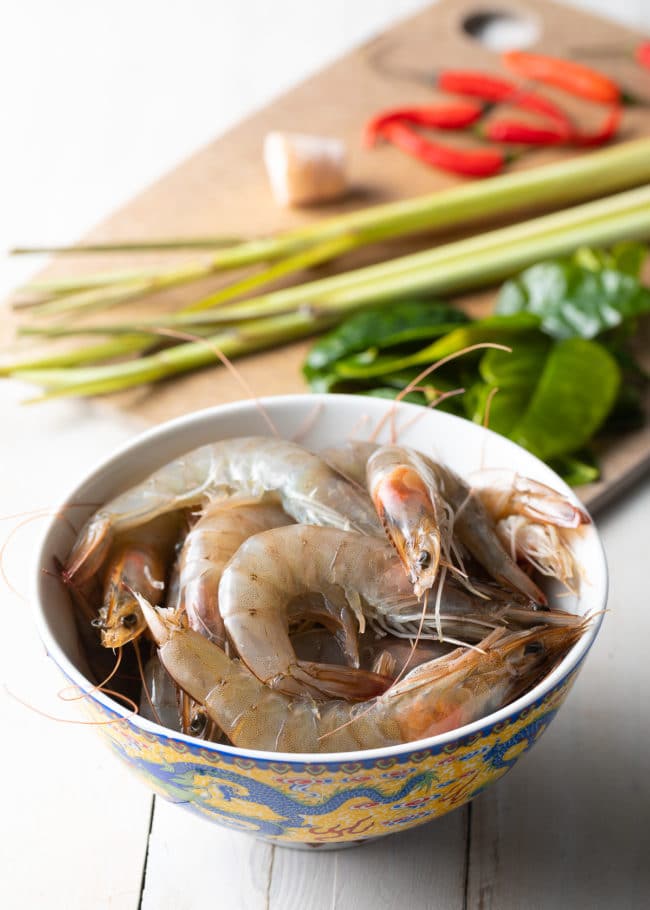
[(567, 665)]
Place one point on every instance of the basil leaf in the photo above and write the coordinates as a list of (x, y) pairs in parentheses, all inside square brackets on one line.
[(521, 367), (506, 406), (499, 329), (514, 375), (382, 327), (574, 301), (575, 392)]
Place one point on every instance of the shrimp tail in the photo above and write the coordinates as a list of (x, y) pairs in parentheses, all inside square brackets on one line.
[(334, 613), (542, 503), (333, 681), (89, 551)]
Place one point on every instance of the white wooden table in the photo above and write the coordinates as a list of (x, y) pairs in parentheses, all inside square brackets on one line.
[(568, 828)]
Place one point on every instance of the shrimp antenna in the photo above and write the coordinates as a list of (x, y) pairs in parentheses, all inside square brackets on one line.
[(401, 673), (416, 640), (486, 422), (70, 720), (306, 425), (97, 688), (28, 517), (3, 548), (427, 371), (430, 406), (227, 363)]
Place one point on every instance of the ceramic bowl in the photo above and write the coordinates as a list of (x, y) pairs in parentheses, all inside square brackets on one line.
[(307, 799)]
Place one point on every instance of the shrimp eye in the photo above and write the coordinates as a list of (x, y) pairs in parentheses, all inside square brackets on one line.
[(424, 559), (130, 620), (535, 647), (198, 724)]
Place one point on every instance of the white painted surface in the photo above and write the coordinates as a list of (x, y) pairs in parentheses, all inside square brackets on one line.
[(99, 99)]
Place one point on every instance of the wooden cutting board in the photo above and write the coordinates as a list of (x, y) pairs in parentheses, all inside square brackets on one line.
[(222, 189)]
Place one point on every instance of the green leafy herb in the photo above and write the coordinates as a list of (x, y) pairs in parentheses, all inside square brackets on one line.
[(383, 327), (626, 256), (575, 300), (500, 329), (551, 393), (575, 392)]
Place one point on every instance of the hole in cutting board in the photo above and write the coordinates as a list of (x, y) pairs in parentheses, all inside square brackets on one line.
[(501, 30)]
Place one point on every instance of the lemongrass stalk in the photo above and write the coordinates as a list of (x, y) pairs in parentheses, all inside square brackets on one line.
[(267, 332), (597, 173), (316, 255), (583, 176), (131, 246), (122, 293), (94, 353), (452, 267), (86, 282), (235, 342), (548, 235)]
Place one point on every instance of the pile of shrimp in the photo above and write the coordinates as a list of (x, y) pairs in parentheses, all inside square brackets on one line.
[(364, 596)]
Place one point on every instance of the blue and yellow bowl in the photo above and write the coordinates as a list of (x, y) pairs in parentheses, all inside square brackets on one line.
[(306, 799)]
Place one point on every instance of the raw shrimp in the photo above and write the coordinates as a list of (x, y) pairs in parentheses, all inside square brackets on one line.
[(437, 696), (272, 568), (505, 493), (309, 489), (417, 520), (135, 562), (212, 541), (408, 490), (533, 521), (544, 546)]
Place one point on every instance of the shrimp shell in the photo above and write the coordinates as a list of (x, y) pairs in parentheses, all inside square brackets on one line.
[(208, 547), (274, 567), (435, 697), (309, 489)]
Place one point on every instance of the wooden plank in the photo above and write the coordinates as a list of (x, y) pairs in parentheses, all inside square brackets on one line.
[(305, 878), (419, 869), (194, 863), (569, 827), (191, 861), (75, 820)]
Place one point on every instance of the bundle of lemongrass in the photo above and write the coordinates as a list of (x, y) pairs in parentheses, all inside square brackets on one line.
[(131, 353)]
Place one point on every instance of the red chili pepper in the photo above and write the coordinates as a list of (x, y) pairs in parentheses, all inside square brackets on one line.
[(606, 132), (443, 116), (575, 78), (516, 131), (527, 134), (642, 54), (494, 89), (471, 162)]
